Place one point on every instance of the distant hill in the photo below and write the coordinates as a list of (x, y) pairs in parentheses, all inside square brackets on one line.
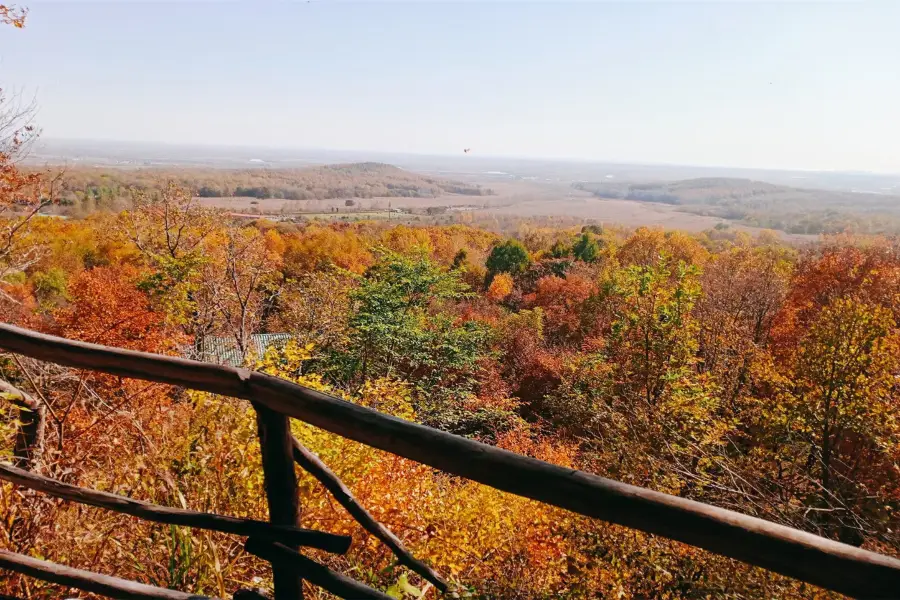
[(795, 210), (110, 187), (706, 190)]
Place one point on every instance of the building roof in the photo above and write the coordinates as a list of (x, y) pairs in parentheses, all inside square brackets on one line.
[(224, 350)]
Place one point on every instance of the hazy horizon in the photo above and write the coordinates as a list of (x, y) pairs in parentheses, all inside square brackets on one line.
[(51, 141), (789, 87)]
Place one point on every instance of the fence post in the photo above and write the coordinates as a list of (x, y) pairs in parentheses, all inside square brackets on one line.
[(276, 447)]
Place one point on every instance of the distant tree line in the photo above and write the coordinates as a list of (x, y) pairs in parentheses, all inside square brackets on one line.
[(761, 204), (86, 190)]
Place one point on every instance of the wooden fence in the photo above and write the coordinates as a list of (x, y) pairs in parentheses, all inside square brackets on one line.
[(810, 558)]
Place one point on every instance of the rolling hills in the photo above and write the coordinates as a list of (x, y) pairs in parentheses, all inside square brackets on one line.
[(794, 210)]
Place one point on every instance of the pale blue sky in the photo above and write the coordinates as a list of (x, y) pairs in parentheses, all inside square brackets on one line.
[(792, 85)]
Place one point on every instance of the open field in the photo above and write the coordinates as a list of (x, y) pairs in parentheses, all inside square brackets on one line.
[(506, 193), (281, 184), (516, 199), (629, 213), (371, 190)]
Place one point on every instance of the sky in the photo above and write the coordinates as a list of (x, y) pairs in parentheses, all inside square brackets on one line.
[(797, 85)]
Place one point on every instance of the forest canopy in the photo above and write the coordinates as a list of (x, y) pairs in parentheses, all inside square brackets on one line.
[(720, 367)]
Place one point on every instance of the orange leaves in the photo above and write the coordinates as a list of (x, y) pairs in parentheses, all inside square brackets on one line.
[(472, 533), (12, 15), (530, 369), (646, 244), (563, 301), (19, 191), (843, 268), (317, 247), (275, 244), (523, 441), (448, 241), (405, 239), (349, 246), (500, 288), (16, 188), (107, 308)]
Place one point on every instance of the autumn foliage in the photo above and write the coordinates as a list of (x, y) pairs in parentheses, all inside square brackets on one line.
[(751, 375), (738, 371)]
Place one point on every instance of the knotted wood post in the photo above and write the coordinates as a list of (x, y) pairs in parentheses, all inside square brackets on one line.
[(277, 449)]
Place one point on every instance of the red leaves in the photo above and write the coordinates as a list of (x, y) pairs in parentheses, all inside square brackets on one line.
[(563, 302), (842, 269), (107, 308)]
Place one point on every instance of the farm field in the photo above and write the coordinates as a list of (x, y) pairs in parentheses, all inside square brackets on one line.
[(513, 199)]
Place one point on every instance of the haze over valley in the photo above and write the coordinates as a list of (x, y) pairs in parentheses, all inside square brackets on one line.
[(442, 188)]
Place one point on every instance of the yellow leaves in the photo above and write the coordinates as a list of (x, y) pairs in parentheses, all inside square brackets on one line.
[(845, 370), (390, 396), (317, 247), (500, 288), (646, 244), (275, 244), (406, 240), (285, 362)]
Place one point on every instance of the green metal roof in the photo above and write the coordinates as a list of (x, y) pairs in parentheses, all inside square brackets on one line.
[(224, 350)]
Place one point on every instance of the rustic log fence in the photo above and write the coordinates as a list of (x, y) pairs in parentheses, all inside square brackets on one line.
[(804, 556)]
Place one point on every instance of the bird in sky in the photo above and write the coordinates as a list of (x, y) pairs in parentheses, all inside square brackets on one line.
[(467, 150)]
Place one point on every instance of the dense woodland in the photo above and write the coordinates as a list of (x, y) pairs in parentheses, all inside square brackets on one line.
[(760, 204), (729, 369), (83, 190), (732, 370)]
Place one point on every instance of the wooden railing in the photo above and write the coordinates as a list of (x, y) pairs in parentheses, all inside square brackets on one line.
[(804, 556)]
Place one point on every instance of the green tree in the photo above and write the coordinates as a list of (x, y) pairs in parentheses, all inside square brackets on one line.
[(649, 418), (50, 287), (654, 334), (560, 250), (507, 257), (400, 327), (586, 248), (459, 259)]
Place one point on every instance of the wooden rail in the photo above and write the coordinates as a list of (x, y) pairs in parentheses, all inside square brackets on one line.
[(88, 581), (315, 467), (296, 536), (320, 575), (794, 553)]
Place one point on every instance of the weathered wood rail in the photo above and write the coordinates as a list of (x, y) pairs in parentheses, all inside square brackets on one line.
[(294, 536), (804, 556), (340, 585), (89, 582)]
